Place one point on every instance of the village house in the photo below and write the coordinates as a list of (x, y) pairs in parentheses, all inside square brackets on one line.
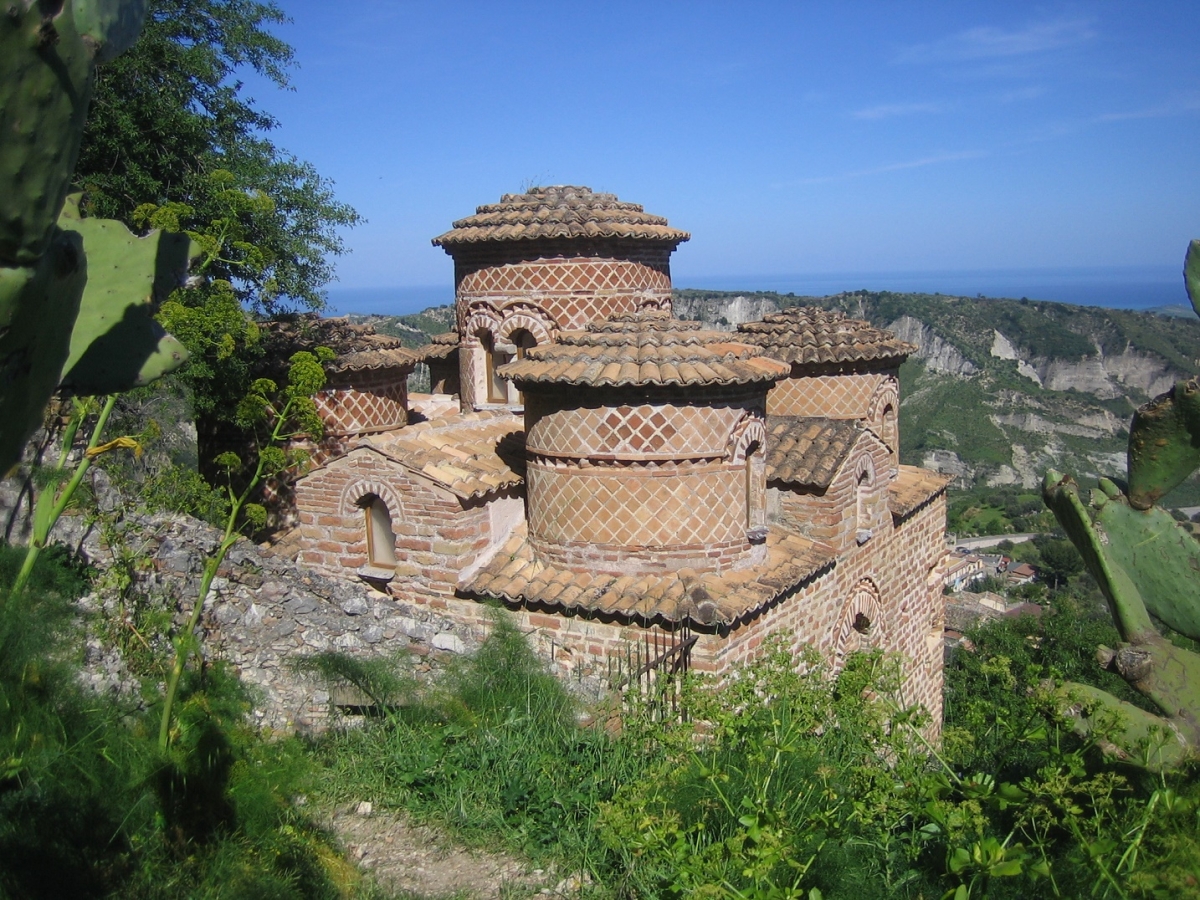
[(621, 479)]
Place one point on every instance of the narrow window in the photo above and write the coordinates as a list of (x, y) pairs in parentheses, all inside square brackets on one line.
[(862, 526), (497, 388), (756, 506), (524, 341), (891, 432), (381, 540)]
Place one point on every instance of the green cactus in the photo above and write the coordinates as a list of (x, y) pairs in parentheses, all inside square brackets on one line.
[(116, 343), (73, 292), (1148, 567)]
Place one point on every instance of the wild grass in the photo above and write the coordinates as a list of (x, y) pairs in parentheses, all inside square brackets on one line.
[(89, 807), (492, 752), (797, 786)]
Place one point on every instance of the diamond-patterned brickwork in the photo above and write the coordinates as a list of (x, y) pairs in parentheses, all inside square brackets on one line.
[(350, 411), (565, 276), (575, 310), (831, 396), (636, 432), (693, 507)]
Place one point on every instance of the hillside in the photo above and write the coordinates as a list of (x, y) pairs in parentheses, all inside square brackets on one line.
[(999, 390)]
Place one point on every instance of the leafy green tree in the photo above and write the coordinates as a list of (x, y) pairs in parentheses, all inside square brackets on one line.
[(172, 139), (1060, 560), (169, 125)]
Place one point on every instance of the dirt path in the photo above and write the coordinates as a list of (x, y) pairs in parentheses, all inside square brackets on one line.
[(412, 859)]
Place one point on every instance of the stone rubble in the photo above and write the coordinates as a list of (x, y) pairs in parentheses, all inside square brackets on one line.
[(262, 615)]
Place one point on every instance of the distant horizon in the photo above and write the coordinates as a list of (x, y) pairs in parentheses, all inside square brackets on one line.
[(1113, 287)]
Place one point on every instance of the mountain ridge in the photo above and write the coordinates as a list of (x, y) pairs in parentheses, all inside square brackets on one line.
[(999, 390)]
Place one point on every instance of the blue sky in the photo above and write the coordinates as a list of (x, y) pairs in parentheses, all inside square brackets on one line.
[(786, 137)]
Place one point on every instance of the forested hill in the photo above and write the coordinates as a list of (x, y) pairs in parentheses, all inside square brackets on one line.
[(999, 390)]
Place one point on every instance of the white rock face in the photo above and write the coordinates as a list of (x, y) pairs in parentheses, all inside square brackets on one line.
[(948, 463), (1100, 375), (734, 311), (939, 356), (1035, 424), (1002, 348)]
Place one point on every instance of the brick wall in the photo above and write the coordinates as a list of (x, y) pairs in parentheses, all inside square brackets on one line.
[(838, 514), (437, 535), (361, 402)]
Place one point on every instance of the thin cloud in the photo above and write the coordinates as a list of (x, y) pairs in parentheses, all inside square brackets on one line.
[(1177, 107), (990, 43), (1018, 96), (890, 167), (892, 110)]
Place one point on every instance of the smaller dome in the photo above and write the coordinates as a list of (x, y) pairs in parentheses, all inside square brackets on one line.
[(642, 349), (357, 348), (560, 211), (809, 334)]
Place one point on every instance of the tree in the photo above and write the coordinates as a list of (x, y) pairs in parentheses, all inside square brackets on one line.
[(171, 139), (169, 125), (1060, 560)]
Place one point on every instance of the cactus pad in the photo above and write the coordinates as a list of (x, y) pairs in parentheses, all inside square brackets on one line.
[(116, 343), (38, 306), (1164, 443)]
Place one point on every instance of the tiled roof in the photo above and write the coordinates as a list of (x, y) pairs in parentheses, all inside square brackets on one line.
[(809, 334), (560, 211), (913, 488), (446, 337), (646, 348), (808, 451), (357, 347), (514, 574), (436, 351), (471, 455)]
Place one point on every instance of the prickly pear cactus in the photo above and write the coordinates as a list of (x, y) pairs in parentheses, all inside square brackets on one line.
[(73, 292), (1148, 567)]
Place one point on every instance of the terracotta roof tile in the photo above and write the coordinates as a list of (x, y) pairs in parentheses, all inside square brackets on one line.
[(809, 334), (808, 450), (913, 488), (646, 348), (515, 574), (357, 347), (472, 455), (440, 346), (559, 211)]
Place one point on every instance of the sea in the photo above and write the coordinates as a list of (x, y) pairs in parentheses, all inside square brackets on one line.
[(1149, 288)]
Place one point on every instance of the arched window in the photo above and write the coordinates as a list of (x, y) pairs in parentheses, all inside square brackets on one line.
[(861, 626), (891, 432), (862, 491), (523, 341), (756, 486), (494, 358), (381, 539)]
